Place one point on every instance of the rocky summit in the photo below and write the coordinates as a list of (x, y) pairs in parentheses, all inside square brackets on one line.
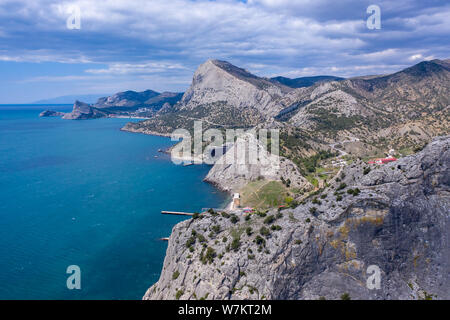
[(391, 218)]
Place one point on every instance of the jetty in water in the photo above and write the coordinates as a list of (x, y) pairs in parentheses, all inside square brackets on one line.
[(177, 213)]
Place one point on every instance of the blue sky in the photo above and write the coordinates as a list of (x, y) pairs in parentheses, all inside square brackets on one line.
[(158, 44)]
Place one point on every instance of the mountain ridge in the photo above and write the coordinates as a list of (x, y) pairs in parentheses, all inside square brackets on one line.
[(226, 96), (303, 82)]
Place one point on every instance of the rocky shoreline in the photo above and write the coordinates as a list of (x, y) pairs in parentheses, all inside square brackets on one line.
[(128, 128)]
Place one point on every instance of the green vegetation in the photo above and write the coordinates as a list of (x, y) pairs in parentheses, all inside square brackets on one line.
[(328, 121), (275, 228), (289, 200), (264, 231), (175, 275), (354, 192), (260, 240), (209, 256), (264, 194), (225, 215), (235, 244), (190, 242), (215, 228), (342, 186), (179, 294), (269, 219), (294, 204), (345, 296), (261, 214), (311, 179), (310, 164), (234, 219), (201, 238)]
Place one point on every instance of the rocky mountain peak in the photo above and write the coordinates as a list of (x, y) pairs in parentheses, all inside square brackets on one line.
[(217, 81)]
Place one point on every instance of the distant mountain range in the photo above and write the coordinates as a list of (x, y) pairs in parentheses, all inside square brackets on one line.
[(88, 98), (123, 104)]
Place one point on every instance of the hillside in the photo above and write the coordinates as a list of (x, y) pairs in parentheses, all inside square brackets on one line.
[(222, 95), (401, 111)]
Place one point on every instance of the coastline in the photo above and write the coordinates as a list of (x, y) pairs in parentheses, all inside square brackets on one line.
[(193, 160), (122, 188)]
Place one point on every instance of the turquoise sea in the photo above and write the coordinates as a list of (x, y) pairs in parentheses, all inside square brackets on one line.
[(85, 193)]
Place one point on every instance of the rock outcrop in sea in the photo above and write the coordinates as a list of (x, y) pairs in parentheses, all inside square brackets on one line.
[(50, 113), (392, 218)]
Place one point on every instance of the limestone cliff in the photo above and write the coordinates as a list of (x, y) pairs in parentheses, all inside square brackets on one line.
[(395, 217), (83, 111), (235, 168), (216, 81)]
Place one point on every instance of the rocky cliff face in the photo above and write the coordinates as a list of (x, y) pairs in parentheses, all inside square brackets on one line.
[(235, 168), (216, 81), (395, 217), (222, 95)]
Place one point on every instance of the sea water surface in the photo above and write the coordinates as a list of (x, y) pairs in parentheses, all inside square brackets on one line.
[(85, 193)]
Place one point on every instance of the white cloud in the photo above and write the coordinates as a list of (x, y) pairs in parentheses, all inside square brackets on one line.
[(420, 57), (44, 55), (129, 68), (160, 39)]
